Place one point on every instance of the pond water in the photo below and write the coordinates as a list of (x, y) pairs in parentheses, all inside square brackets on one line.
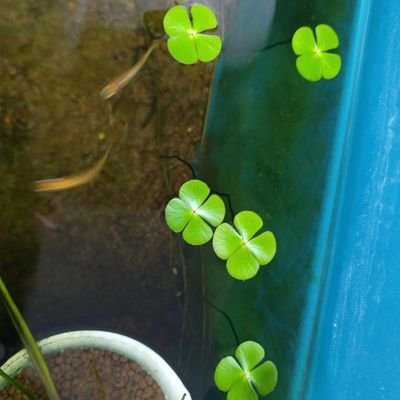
[(100, 256), (268, 143)]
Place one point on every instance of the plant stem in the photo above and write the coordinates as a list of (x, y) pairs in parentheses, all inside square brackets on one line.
[(184, 328), (226, 195), (271, 46), (176, 157), (29, 342), (228, 318), (17, 386)]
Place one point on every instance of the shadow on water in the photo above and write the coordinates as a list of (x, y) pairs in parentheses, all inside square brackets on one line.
[(16, 200)]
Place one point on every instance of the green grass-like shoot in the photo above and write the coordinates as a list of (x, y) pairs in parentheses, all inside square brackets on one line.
[(243, 251), (29, 342), (17, 386), (244, 376), (314, 61), (187, 43)]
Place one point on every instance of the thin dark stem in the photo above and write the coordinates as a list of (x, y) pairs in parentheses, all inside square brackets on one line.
[(176, 157), (229, 201), (184, 327), (228, 318), (271, 46)]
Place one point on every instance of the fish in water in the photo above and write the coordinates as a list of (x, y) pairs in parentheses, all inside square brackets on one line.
[(47, 222), (122, 80), (71, 181)]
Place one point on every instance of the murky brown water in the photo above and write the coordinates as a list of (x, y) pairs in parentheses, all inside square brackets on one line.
[(100, 255)]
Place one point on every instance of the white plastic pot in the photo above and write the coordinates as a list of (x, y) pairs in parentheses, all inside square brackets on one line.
[(149, 360)]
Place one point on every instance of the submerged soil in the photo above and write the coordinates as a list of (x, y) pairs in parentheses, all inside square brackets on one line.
[(100, 255), (89, 375)]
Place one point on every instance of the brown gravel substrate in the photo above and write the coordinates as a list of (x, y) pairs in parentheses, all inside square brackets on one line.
[(99, 256), (89, 375)]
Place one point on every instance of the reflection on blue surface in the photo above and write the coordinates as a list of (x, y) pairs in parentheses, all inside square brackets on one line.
[(356, 352), (326, 180), (268, 143)]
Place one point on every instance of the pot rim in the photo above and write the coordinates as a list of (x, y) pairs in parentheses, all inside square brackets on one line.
[(134, 350)]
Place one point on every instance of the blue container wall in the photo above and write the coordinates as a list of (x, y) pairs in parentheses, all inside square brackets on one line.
[(268, 143), (320, 163), (356, 351)]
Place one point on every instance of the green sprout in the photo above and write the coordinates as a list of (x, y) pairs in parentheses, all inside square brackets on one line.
[(244, 252), (186, 42), (194, 211), (314, 62), (30, 344), (244, 376)]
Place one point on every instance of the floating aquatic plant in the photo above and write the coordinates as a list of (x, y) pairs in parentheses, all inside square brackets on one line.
[(245, 377), (244, 252), (194, 211), (186, 42), (314, 61)]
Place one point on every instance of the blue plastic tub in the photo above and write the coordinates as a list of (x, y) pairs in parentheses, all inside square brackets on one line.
[(321, 164)]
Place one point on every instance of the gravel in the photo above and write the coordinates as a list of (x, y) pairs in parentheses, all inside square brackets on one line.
[(89, 375)]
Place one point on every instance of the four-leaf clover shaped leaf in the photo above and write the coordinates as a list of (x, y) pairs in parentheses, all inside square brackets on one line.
[(244, 376), (244, 252), (314, 62), (194, 211), (186, 43)]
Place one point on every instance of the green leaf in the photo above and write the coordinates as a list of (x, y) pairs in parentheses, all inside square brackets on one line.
[(187, 212), (263, 247), (17, 386), (303, 41), (29, 342), (208, 47), (176, 21), (309, 67), (197, 232), (314, 63), (227, 373), (248, 223), (242, 264), (244, 255), (194, 193), (203, 18), (242, 390), (327, 39), (177, 215), (330, 65), (213, 210), (238, 379), (186, 43), (226, 241), (249, 354), (183, 49), (265, 378)]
